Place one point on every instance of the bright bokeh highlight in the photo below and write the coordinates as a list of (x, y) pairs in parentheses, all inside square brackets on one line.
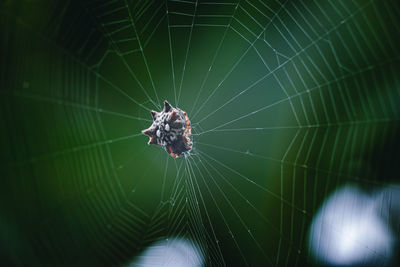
[(172, 252), (349, 230)]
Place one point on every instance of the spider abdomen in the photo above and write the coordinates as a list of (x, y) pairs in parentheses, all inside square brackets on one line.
[(170, 129)]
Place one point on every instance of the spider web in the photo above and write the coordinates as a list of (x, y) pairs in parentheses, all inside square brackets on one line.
[(287, 100)]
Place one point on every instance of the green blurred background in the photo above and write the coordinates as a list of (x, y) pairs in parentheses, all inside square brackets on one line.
[(288, 100)]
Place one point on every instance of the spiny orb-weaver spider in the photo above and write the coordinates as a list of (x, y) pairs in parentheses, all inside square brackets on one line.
[(171, 130)]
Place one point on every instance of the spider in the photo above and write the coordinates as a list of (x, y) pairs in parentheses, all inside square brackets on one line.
[(170, 129)]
